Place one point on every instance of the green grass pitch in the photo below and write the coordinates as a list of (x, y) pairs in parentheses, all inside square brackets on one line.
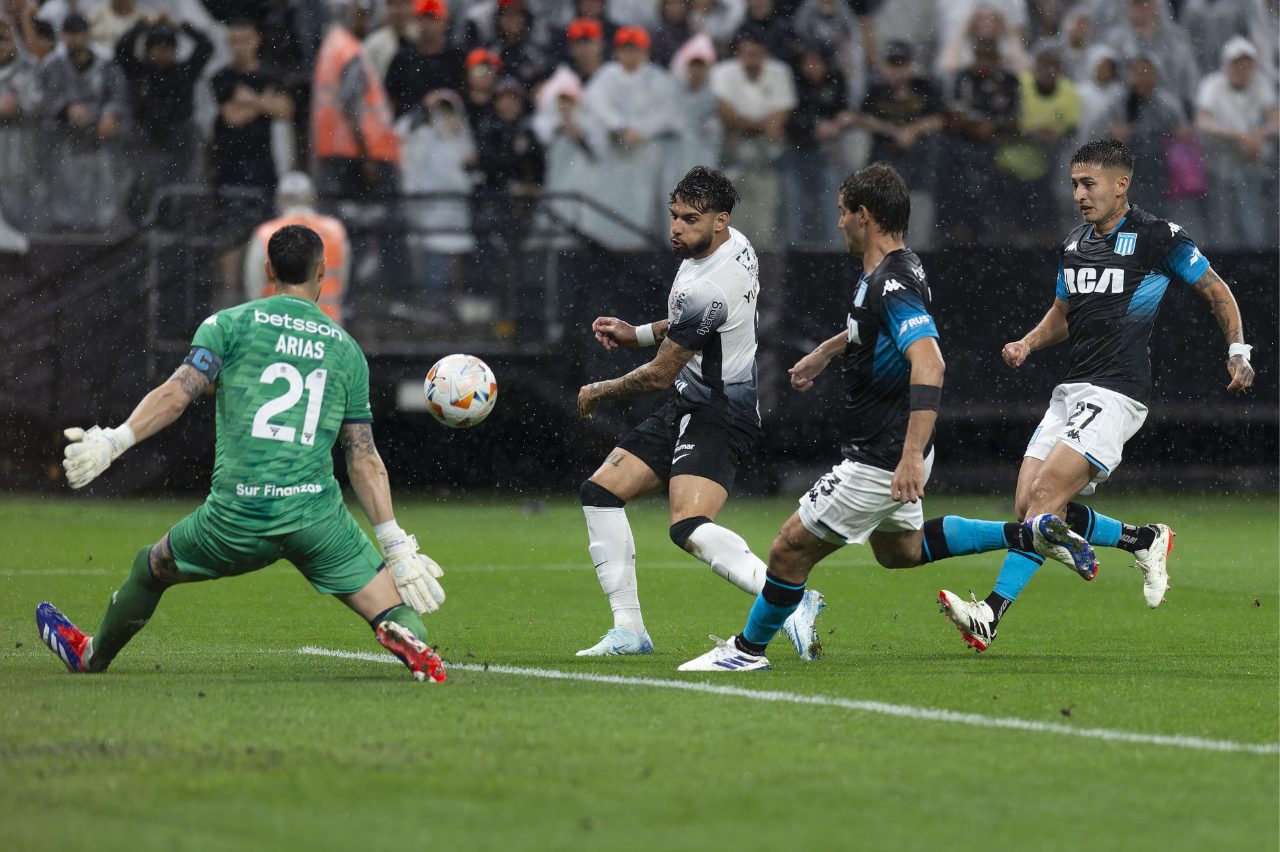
[(213, 732)]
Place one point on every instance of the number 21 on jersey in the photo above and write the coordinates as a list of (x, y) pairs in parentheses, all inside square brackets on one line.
[(314, 387)]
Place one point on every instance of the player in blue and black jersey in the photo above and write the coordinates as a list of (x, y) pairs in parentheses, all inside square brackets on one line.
[(893, 371), (1113, 271)]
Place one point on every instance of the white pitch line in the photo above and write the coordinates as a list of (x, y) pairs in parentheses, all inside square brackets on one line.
[(878, 707)]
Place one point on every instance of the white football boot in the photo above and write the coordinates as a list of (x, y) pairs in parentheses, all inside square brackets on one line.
[(973, 618), (1053, 539), (1154, 565), (619, 641), (800, 627), (726, 657)]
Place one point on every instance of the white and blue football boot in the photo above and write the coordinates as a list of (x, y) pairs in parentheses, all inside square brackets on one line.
[(726, 656), (1054, 539), (619, 641), (801, 626), (64, 639)]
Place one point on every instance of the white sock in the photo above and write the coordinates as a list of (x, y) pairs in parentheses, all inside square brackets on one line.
[(613, 552), (728, 555)]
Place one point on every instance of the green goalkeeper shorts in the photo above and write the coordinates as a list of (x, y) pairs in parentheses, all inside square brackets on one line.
[(333, 553)]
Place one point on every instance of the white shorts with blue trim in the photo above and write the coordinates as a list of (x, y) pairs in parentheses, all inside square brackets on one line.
[(1093, 421), (852, 501)]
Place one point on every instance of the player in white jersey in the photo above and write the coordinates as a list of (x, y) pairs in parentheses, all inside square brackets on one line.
[(701, 430)]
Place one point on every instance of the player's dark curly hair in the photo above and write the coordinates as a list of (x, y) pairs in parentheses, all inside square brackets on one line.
[(880, 189), (705, 190), (1108, 153), (294, 251)]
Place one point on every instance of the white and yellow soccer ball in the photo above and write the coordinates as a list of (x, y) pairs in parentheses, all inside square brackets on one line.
[(461, 391)]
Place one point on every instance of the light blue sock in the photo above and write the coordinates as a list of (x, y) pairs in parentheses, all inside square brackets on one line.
[(774, 605), (1104, 531), (1018, 569), (955, 536)]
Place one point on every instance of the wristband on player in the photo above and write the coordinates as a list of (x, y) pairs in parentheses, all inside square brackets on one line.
[(645, 336), (1241, 349), (925, 397), (389, 534)]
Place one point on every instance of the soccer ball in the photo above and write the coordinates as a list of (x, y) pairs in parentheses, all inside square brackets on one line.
[(461, 391)]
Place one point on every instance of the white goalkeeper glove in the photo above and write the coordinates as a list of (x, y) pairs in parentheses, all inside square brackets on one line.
[(91, 452), (414, 573)]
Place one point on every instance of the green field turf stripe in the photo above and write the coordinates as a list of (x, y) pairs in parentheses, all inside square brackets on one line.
[(878, 707)]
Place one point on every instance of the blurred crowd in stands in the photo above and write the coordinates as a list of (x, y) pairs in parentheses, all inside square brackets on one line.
[(502, 110)]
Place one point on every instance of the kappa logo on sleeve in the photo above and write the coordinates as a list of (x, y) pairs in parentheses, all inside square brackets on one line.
[(893, 284)]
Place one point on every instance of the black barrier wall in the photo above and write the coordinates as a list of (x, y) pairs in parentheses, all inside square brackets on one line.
[(74, 331)]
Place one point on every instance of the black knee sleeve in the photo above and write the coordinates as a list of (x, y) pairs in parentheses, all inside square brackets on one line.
[(681, 530), (599, 496), (1080, 519)]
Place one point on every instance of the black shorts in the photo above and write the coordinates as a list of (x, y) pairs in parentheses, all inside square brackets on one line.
[(708, 443)]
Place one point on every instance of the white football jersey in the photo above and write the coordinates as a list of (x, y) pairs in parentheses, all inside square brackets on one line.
[(712, 308)]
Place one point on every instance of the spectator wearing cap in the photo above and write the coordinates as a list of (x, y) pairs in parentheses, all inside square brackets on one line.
[(439, 153), (1210, 24), (808, 165), (514, 44), (432, 62), (576, 146), (671, 32), (19, 99), (586, 53), (699, 133), (84, 103), (110, 21), (756, 94), (1237, 117), (982, 116), (162, 100), (904, 113), (296, 205), (586, 10), (483, 68), (635, 100), (399, 29)]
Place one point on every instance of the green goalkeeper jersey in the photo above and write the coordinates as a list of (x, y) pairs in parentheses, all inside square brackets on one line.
[(288, 378)]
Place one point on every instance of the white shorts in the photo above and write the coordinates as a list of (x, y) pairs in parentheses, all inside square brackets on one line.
[(1093, 421), (852, 501)]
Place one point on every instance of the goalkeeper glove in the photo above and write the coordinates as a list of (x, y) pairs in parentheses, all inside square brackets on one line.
[(91, 452), (414, 573)]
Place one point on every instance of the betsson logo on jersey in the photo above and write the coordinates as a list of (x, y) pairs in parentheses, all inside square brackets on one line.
[(1087, 280), (293, 324)]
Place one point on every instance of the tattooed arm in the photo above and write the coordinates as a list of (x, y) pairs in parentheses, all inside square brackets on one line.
[(166, 403), (1216, 292), (657, 375), (367, 472)]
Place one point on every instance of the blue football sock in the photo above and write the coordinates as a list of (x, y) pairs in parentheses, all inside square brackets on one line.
[(774, 605), (955, 536), (1018, 569)]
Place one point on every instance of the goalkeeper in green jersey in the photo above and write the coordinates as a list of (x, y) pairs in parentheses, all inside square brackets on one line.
[(289, 384)]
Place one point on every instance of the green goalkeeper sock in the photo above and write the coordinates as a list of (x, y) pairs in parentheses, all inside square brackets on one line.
[(130, 608), (404, 615)]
